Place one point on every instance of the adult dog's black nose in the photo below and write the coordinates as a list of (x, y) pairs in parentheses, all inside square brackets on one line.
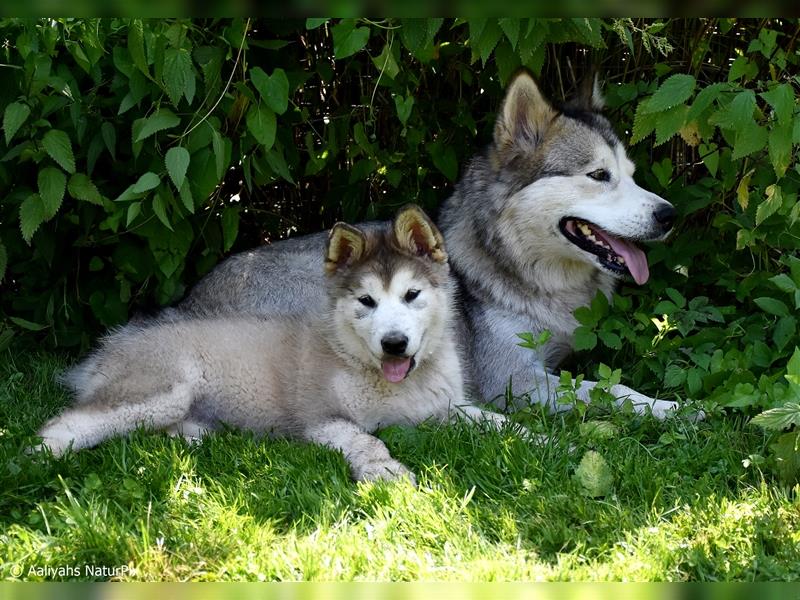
[(665, 216), (394, 343)]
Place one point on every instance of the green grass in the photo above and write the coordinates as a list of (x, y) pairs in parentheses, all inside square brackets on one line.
[(489, 505)]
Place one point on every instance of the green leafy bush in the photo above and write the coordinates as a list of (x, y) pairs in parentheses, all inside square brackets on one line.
[(136, 154)]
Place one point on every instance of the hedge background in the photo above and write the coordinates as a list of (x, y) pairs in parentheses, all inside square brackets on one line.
[(137, 153)]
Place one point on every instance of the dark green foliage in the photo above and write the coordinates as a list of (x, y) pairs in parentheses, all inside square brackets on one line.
[(136, 154)]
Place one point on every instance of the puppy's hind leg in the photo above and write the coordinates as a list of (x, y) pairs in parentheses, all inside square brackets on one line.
[(90, 423)]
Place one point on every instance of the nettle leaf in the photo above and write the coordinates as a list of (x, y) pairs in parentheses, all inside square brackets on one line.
[(781, 99), (739, 113), (162, 119), (274, 89), (31, 216), (58, 145), (186, 196), (584, 338), (750, 138), (780, 149), (230, 226), (136, 45), (134, 210), (178, 77), (219, 152), (674, 375), (160, 210), (644, 123), (779, 418), (146, 182), (52, 185), (14, 117), (418, 33), (177, 162), (262, 124), (675, 90), (81, 187), (704, 99), (348, 39), (670, 123), (510, 27)]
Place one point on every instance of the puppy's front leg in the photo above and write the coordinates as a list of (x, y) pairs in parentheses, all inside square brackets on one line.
[(368, 457)]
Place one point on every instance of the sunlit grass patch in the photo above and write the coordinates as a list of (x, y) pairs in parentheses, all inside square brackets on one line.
[(680, 503)]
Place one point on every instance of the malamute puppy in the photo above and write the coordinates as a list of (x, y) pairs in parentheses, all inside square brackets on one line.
[(382, 352)]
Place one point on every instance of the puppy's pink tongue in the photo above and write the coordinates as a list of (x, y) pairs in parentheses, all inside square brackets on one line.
[(395, 370)]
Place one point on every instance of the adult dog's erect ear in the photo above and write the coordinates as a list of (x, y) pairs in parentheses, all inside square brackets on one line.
[(523, 118), (416, 234), (589, 97), (346, 246)]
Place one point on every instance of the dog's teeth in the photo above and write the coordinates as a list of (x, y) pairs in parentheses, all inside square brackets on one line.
[(585, 229)]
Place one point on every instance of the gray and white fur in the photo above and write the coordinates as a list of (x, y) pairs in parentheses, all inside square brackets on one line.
[(382, 351), (540, 221)]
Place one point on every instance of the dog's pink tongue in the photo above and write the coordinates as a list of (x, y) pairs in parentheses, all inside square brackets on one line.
[(635, 259), (395, 370)]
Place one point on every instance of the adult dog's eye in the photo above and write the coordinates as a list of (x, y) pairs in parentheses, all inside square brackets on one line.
[(599, 175), (411, 295), (368, 301)]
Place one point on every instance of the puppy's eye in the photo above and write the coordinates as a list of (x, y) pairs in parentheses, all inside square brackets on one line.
[(599, 175), (368, 301), (411, 295)]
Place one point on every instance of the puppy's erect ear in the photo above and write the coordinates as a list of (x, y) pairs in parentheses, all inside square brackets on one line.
[(416, 234), (346, 246), (524, 116)]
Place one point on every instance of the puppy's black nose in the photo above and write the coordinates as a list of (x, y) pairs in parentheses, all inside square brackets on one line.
[(665, 216), (394, 343)]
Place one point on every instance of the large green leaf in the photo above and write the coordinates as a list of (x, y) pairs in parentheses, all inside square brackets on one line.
[(14, 116), (31, 216), (274, 89), (675, 90), (230, 226), (262, 124), (177, 162), (162, 119), (58, 145), (52, 185), (178, 77), (348, 39), (782, 100), (81, 187)]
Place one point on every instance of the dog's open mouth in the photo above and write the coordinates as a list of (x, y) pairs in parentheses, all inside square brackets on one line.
[(395, 369), (614, 254)]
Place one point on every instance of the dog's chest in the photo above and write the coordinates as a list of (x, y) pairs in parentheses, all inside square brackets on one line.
[(373, 403)]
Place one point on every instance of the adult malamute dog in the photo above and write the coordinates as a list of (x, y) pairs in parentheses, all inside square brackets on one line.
[(381, 351), (544, 218)]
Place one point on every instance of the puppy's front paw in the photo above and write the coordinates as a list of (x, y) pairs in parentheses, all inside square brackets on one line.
[(387, 470)]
